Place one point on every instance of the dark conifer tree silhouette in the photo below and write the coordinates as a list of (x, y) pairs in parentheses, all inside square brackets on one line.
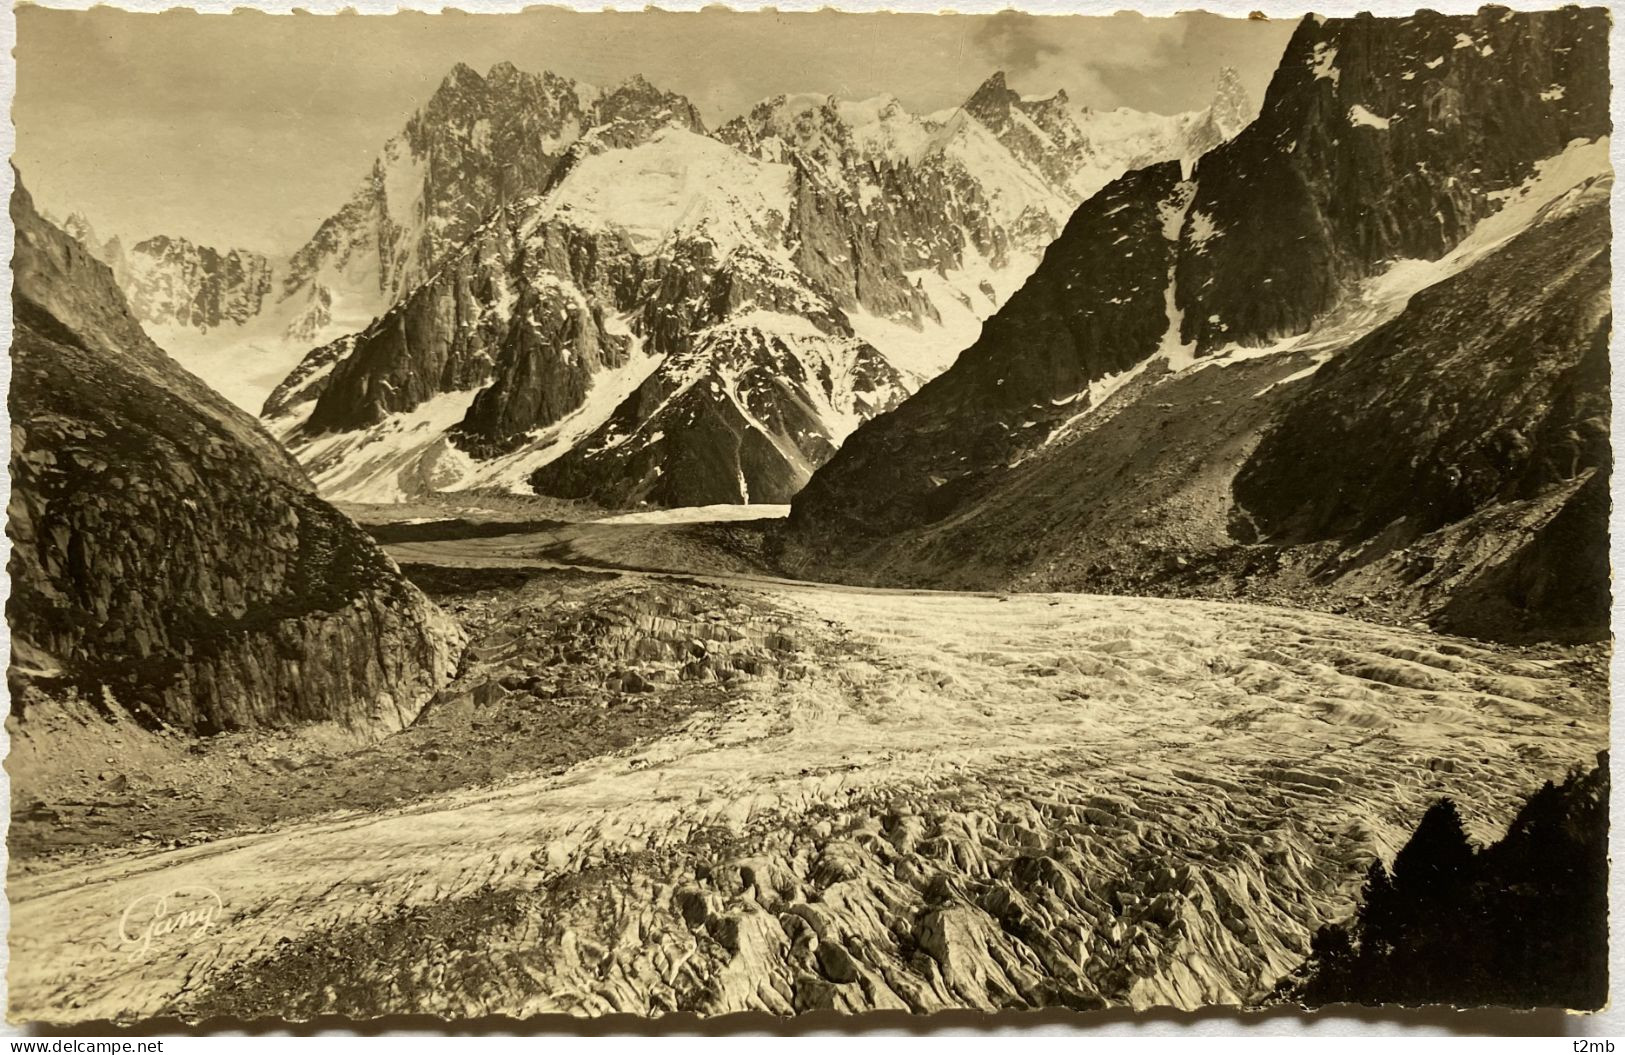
[(1521, 923)]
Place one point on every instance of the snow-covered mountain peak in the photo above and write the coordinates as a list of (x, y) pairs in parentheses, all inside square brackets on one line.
[(881, 125), (996, 104), (824, 127), (1042, 133), (805, 121), (173, 280), (676, 185), (877, 109)]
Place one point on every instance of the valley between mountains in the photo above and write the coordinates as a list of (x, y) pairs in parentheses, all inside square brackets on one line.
[(841, 560)]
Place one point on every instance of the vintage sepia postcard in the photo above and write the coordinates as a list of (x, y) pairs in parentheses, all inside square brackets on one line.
[(635, 513)]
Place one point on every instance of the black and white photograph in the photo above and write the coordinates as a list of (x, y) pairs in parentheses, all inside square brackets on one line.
[(833, 516)]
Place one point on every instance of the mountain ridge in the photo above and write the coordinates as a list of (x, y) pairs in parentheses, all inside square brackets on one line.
[(805, 209)]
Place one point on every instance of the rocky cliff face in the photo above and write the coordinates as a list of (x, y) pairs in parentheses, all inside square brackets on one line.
[(109, 251), (732, 304), (1092, 438), (168, 558), (172, 280), (1480, 413), (1380, 140), (477, 140)]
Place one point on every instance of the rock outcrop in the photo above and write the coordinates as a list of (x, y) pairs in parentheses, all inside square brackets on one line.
[(169, 559), (1121, 417), (476, 141)]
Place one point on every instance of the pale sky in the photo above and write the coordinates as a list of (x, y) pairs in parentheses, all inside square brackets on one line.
[(248, 129)]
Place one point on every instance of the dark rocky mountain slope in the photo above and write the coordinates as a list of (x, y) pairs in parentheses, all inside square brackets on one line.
[(1380, 139), (1479, 415), (1412, 422), (169, 559), (1085, 314)]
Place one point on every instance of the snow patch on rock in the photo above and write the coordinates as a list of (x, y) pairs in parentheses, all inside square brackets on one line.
[(1323, 64), (1360, 117)]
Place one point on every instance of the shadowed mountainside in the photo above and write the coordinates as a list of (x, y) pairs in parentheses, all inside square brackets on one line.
[(168, 557)]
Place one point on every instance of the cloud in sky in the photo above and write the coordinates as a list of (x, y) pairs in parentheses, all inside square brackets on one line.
[(1041, 52), (1017, 41)]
